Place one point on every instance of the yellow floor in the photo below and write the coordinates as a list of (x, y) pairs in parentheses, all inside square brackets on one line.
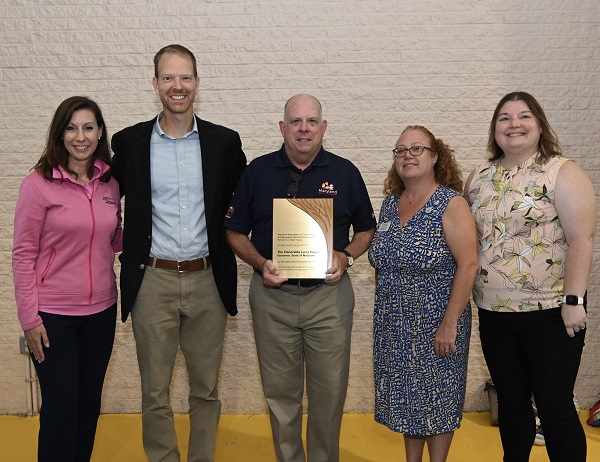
[(247, 438)]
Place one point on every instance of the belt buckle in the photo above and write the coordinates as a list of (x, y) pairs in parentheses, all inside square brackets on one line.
[(179, 270)]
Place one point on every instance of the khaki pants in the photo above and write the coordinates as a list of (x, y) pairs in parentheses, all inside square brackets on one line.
[(297, 328), (179, 309)]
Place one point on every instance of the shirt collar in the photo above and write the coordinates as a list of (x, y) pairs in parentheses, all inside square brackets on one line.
[(159, 131), (282, 159), (100, 168)]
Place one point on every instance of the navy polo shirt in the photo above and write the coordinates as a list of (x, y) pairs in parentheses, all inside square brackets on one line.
[(268, 177)]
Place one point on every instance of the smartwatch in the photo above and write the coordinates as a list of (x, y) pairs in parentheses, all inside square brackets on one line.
[(572, 300), (351, 258)]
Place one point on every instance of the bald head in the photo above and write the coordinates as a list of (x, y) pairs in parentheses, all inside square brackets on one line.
[(303, 128), (301, 97)]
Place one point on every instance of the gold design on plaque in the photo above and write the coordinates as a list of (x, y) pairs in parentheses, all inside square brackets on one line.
[(321, 211)]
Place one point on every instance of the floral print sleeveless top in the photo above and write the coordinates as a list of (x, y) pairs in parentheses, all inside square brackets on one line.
[(522, 244)]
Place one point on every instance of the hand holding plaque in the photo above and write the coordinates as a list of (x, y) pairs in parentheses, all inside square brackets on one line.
[(303, 237)]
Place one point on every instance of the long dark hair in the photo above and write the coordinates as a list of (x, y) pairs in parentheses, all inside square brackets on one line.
[(547, 147), (55, 154)]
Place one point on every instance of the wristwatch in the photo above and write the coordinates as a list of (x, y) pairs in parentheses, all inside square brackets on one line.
[(572, 300), (351, 258)]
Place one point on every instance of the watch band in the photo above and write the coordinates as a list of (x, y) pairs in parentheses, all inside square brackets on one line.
[(349, 256), (572, 300)]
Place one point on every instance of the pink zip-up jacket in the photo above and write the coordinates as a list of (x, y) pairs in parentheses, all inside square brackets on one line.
[(64, 244)]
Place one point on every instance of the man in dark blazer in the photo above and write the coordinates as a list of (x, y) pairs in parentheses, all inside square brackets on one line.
[(178, 275)]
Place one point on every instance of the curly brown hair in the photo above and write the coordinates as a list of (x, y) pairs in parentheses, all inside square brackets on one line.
[(447, 172), (548, 145)]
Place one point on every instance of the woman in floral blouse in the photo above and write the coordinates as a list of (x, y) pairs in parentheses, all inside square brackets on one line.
[(536, 218)]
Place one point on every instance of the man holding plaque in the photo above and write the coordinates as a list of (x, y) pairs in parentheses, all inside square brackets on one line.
[(302, 201)]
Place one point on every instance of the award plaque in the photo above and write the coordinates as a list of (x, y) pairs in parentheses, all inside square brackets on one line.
[(303, 237)]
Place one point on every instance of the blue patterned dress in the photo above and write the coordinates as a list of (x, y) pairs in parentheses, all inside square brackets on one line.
[(416, 391)]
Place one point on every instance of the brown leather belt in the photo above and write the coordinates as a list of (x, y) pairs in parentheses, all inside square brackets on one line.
[(182, 266)]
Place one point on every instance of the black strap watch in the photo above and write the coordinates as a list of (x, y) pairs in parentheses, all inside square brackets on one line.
[(350, 257), (572, 300)]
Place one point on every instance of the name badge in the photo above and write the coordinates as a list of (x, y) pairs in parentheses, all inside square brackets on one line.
[(384, 226)]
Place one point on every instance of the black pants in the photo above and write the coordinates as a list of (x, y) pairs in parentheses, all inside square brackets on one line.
[(531, 353), (71, 379)]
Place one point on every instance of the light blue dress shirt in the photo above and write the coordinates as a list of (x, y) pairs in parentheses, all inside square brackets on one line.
[(178, 214)]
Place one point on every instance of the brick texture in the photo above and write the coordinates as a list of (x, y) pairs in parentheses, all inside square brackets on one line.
[(375, 65)]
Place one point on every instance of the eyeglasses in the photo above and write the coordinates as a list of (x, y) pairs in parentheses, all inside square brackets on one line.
[(415, 151), (292, 189)]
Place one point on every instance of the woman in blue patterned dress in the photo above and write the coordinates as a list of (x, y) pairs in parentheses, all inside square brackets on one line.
[(425, 258)]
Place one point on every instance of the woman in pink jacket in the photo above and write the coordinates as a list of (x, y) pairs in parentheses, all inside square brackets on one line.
[(67, 230)]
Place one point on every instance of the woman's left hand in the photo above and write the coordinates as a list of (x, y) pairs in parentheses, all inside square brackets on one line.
[(574, 318), (445, 338), (36, 339)]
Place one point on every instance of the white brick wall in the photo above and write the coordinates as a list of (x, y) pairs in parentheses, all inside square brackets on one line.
[(375, 65)]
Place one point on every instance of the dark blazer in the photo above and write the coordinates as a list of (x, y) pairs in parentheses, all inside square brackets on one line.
[(223, 162)]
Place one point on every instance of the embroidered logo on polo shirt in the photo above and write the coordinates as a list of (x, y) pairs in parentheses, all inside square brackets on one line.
[(230, 211), (108, 200), (328, 188)]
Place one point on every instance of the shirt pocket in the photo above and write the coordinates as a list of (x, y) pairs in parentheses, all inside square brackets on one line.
[(49, 264)]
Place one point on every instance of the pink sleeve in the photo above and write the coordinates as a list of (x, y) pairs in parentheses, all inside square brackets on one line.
[(117, 242), (30, 214)]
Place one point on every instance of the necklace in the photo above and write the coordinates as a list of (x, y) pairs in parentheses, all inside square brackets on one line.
[(419, 198)]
